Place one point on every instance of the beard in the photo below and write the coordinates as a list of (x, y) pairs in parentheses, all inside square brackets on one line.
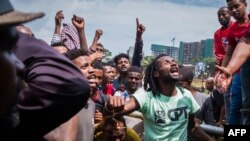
[(167, 78)]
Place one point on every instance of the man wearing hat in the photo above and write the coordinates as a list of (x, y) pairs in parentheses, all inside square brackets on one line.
[(54, 89)]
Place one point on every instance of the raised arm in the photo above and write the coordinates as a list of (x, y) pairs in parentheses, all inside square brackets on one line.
[(58, 23), (137, 56), (98, 34), (79, 23)]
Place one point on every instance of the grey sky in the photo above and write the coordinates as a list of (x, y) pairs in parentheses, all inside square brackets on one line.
[(186, 20)]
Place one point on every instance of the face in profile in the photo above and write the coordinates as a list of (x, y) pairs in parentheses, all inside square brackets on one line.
[(11, 72)]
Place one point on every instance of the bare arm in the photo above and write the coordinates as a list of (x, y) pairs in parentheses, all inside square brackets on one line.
[(137, 56), (222, 114), (79, 23), (196, 131), (58, 22), (65, 132), (240, 55), (98, 34)]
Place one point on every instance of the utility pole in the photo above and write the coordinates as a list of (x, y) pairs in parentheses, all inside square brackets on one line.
[(173, 40)]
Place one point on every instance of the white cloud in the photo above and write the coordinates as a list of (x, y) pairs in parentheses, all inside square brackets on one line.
[(163, 20)]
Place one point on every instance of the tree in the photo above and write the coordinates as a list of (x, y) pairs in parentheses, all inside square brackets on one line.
[(196, 60), (210, 65), (146, 61), (107, 55)]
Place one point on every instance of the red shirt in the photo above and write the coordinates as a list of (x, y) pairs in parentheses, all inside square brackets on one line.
[(220, 43), (235, 33)]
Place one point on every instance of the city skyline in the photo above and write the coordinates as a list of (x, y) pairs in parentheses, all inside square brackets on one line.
[(184, 20)]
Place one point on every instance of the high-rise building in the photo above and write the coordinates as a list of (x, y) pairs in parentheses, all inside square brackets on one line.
[(161, 49), (208, 47), (189, 51)]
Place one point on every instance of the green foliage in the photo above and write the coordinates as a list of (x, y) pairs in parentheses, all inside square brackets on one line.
[(107, 55), (196, 60), (146, 61)]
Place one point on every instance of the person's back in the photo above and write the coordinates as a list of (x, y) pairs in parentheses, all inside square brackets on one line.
[(200, 97), (49, 76), (217, 103)]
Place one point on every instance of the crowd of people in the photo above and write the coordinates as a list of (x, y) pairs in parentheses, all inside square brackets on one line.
[(64, 91)]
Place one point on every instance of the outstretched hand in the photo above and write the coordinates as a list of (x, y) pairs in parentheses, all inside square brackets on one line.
[(222, 79)]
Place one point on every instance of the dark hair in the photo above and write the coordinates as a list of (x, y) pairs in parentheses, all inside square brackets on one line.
[(135, 69), (109, 63), (119, 56), (75, 53), (58, 44), (117, 118), (224, 8), (100, 44), (150, 82), (97, 65), (243, 1), (186, 74)]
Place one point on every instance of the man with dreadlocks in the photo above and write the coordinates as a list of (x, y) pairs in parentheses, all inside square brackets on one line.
[(168, 110)]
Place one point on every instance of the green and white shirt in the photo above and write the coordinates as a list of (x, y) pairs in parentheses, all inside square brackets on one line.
[(166, 118)]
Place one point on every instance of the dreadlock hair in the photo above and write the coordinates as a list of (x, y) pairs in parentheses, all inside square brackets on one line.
[(75, 53), (150, 82)]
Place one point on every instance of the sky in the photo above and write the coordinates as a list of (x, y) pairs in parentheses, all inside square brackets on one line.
[(184, 20)]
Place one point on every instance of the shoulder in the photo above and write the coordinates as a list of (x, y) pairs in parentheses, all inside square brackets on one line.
[(217, 32), (184, 91), (131, 134)]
